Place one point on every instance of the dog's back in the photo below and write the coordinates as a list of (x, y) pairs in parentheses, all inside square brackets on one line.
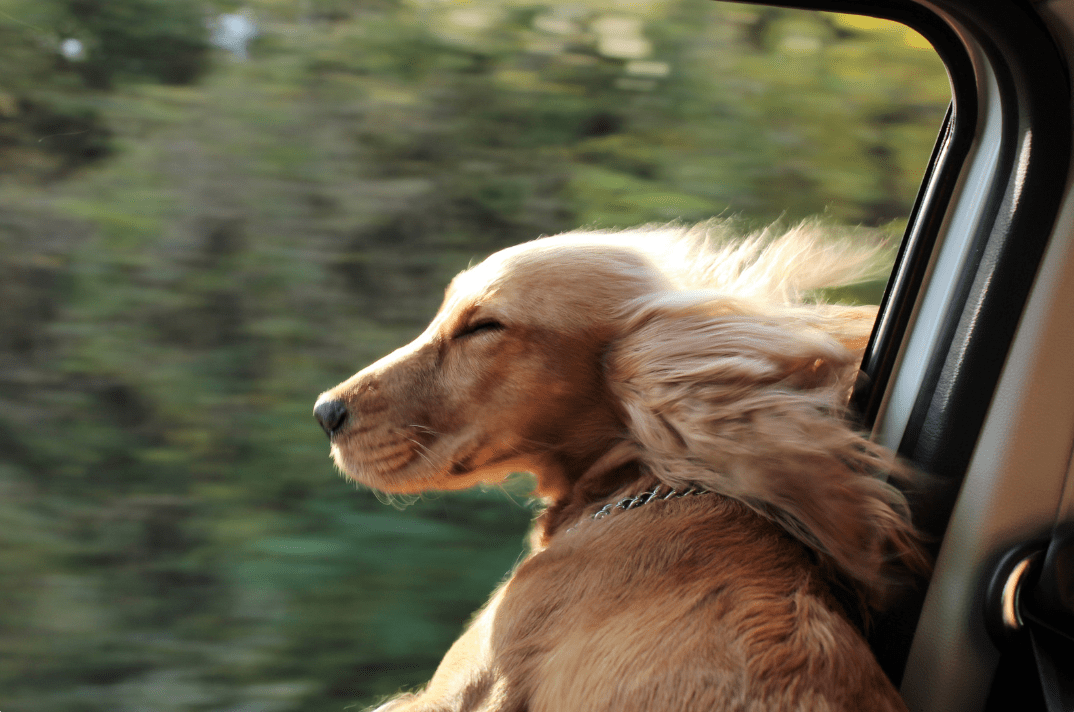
[(688, 604)]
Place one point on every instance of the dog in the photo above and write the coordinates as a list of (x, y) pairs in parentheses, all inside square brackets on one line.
[(715, 528)]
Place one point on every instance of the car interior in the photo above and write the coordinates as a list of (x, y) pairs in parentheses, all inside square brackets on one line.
[(968, 371)]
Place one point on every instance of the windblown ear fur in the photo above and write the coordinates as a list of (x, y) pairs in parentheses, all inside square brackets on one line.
[(747, 397)]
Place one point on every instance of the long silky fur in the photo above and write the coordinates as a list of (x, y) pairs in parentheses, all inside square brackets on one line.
[(731, 381)]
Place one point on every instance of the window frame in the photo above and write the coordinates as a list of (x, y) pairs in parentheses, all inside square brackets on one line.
[(987, 206)]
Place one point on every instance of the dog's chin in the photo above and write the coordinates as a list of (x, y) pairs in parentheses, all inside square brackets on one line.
[(415, 475), (406, 478)]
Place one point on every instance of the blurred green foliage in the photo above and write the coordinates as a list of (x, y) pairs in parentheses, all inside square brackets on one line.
[(153, 39), (192, 247)]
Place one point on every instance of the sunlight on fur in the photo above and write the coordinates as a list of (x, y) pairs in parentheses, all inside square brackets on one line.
[(662, 360)]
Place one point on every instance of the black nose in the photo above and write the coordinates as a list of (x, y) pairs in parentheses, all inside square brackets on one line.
[(330, 414)]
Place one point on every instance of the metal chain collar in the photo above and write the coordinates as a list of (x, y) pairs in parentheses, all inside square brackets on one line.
[(643, 498)]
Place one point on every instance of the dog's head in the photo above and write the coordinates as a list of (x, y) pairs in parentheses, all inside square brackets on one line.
[(506, 378)]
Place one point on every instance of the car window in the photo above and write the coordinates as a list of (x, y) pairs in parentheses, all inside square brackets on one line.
[(210, 212)]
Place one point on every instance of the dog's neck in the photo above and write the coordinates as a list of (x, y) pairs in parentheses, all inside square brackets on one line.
[(609, 473)]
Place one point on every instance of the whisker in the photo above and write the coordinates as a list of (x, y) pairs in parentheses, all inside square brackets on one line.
[(530, 441), (424, 429), (396, 500), (419, 452)]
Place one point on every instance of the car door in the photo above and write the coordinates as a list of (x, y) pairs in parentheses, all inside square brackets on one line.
[(968, 372)]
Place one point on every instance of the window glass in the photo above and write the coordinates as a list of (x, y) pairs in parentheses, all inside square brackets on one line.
[(212, 211)]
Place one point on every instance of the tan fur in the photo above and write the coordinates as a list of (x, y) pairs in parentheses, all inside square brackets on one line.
[(617, 361)]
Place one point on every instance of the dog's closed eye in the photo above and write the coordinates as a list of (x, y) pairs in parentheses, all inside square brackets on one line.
[(477, 327)]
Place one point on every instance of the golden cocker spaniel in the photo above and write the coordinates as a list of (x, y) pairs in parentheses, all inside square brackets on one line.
[(710, 511)]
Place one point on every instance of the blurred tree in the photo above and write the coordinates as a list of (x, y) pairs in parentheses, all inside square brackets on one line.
[(47, 125), (158, 39), (52, 51)]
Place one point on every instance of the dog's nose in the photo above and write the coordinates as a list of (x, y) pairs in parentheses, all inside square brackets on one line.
[(330, 414)]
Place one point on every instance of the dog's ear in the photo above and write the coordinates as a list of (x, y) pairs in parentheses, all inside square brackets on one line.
[(851, 326), (750, 403)]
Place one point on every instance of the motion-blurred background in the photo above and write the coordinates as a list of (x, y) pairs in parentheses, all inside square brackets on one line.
[(212, 211)]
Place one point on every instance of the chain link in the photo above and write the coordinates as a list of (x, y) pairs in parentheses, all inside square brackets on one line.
[(644, 498)]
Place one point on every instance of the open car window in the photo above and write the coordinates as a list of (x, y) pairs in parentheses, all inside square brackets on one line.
[(209, 212)]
